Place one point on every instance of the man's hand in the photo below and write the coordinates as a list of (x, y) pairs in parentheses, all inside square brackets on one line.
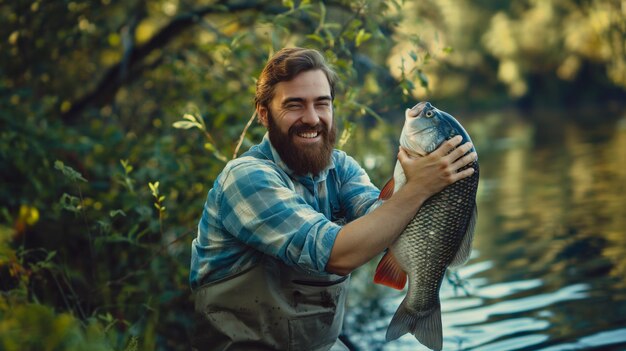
[(362, 239), (428, 175)]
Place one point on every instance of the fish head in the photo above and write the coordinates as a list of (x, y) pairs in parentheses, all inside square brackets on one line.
[(426, 127)]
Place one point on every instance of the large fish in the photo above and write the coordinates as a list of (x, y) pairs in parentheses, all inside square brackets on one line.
[(439, 236)]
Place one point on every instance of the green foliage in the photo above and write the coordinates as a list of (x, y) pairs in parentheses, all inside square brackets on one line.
[(537, 52), (37, 327), (116, 117), (69, 172)]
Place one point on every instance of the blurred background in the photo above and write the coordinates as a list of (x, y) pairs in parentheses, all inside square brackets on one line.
[(116, 117)]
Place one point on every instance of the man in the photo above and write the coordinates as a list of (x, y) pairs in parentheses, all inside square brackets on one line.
[(286, 223)]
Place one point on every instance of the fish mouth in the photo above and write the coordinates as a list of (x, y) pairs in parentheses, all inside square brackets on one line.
[(419, 108)]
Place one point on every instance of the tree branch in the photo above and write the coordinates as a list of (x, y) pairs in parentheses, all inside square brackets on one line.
[(114, 78)]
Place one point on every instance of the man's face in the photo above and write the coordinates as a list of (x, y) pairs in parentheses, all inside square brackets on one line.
[(300, 122)]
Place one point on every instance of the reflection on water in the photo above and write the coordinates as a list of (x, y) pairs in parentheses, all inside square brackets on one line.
[(548, 270)]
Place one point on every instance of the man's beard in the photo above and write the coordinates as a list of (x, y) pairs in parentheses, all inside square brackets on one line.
[(303, 159)]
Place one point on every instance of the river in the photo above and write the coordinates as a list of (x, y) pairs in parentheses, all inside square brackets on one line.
[(548, 267)]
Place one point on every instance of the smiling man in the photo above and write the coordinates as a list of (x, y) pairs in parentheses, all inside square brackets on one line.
[(286, 223), (302, 129)]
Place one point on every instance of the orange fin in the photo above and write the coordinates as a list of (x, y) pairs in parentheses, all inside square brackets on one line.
[(390, 273), (387, 190)]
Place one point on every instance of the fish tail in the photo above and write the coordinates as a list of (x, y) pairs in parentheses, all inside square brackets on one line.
[(425, 326), (402, 322), (428, 329)]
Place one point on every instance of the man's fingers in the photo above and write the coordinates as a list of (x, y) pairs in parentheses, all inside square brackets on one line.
[(465, 160), (462, 162), (460, 151), (464, 174), (448, 147)]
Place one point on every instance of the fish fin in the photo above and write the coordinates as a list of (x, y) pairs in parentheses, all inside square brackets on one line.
[(401, 323), (428, 329), (425, 326), (387, 190), (390, 273), (463, 254)]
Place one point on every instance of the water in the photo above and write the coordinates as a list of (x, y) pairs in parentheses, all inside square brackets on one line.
[(548, 270)]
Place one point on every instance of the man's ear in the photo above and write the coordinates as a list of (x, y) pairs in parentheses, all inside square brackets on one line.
[(262, 114)]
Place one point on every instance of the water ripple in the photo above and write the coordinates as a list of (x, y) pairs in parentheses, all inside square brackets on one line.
[(612, 337), (509, 288), (481, 313), (514, 343), (486, 334)]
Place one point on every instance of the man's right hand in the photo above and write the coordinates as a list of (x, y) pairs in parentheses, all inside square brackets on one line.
[(428, 175)]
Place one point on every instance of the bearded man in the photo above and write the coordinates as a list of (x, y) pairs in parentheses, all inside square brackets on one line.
[(286, 223)]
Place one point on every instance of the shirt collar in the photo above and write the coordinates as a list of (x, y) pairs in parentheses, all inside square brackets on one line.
[(268, 150)]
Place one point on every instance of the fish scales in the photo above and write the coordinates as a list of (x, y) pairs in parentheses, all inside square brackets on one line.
[(438, 237), (444, 217)]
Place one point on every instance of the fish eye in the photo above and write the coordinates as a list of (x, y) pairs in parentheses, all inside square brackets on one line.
[(429, 113)]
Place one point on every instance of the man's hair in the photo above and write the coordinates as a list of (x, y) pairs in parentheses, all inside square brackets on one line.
[(284, 66)]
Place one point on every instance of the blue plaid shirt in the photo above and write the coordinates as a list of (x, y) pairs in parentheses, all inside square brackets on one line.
[(259, 207)]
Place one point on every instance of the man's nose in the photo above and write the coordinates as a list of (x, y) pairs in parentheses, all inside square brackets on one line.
[(310, 115)]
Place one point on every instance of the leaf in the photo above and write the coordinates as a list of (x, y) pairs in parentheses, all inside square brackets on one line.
[(104, 225), (220, 156), (407, 84), (322, 16), (70, 203), (133, 230), (316, 37), (68, 171), (209, 147), (127, 167), (289, 4), (193, 118), (422, 78), (51, 255), (427, 58), (114, 213), (186, 125), (362, 37), (154, 187), (133, 344), (345, 134), (106, 317), (235, 42)]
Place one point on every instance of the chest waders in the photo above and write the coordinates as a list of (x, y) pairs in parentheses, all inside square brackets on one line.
[(272, 306)]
